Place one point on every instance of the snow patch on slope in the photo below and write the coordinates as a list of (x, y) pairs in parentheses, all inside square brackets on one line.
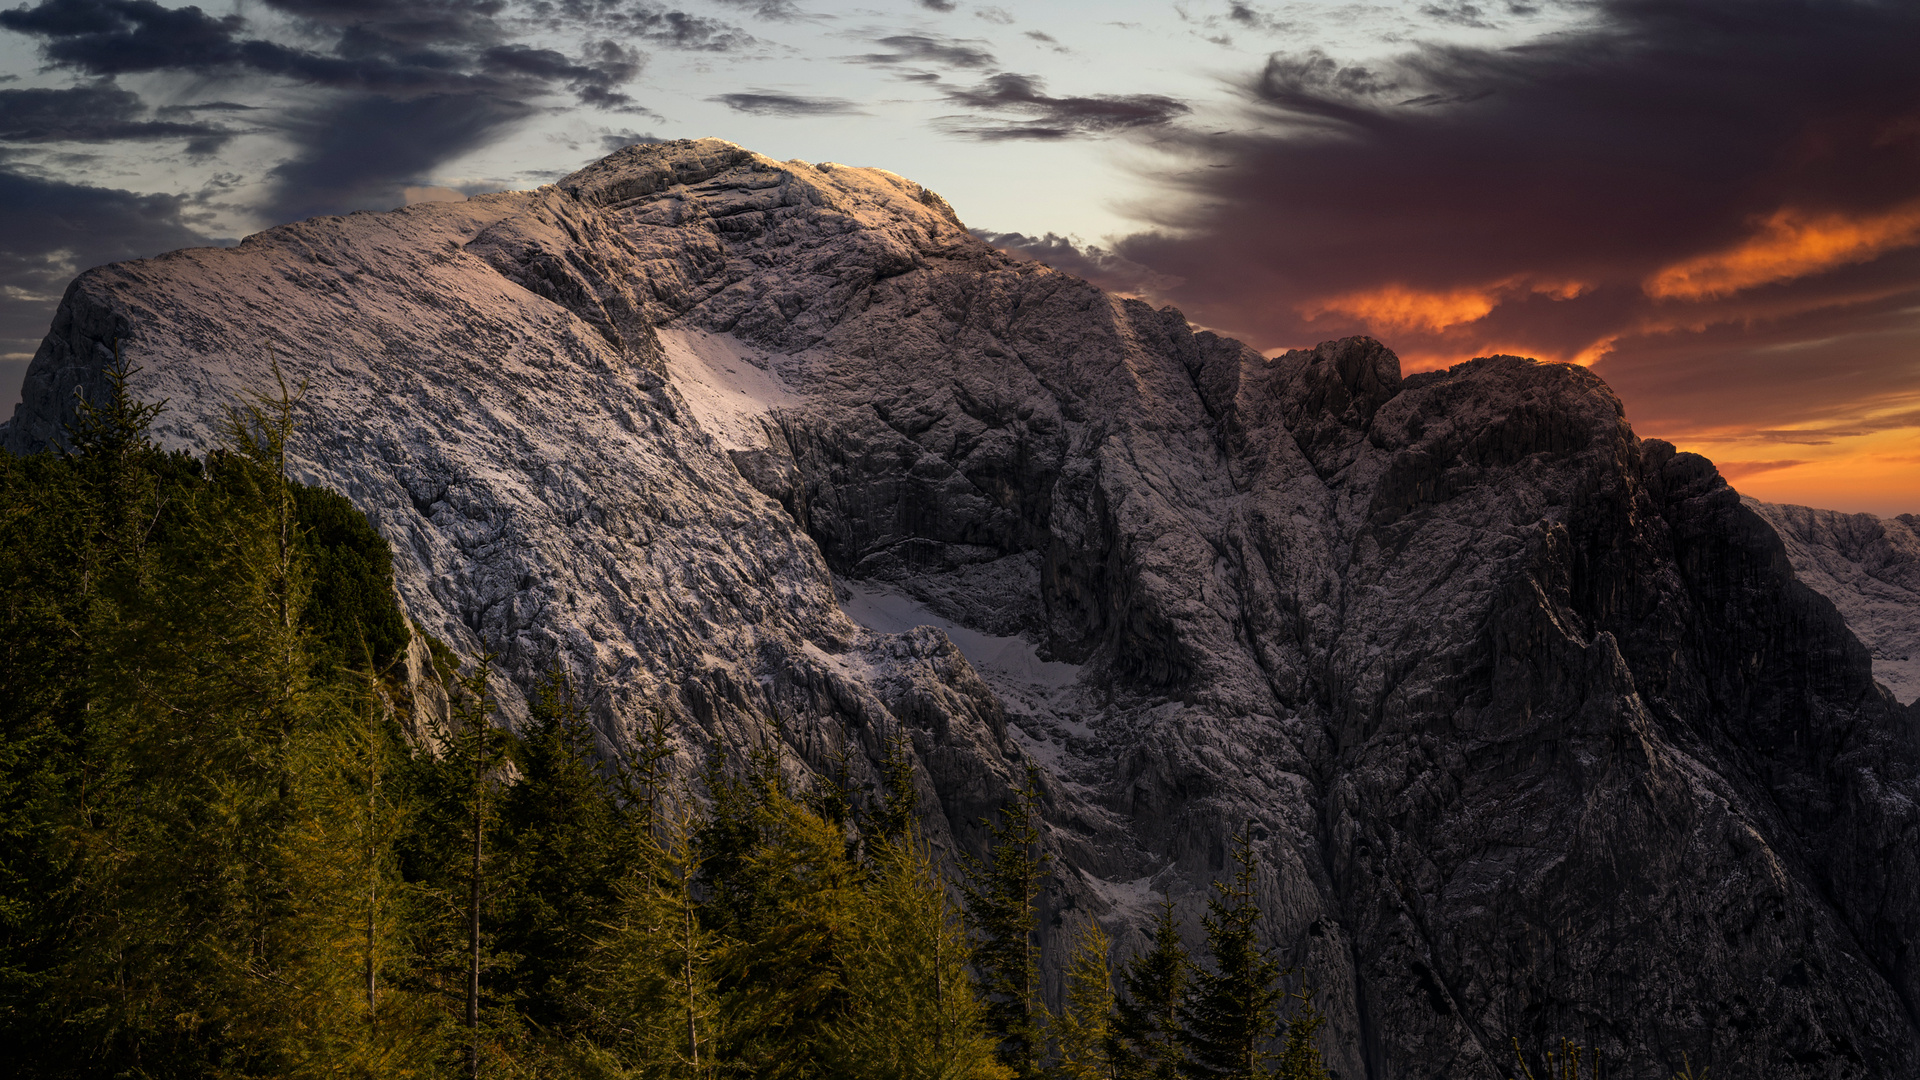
[(1010, 660), (728, 384)]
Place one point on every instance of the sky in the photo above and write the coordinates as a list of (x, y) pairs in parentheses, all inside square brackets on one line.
[(1713, 203)]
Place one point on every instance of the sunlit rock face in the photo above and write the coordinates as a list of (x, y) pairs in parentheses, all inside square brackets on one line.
[(1537, 731)]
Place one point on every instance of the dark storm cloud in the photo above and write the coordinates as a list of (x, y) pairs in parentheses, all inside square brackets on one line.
[(620, 140), (1104, 268), (55, 230), (405, 49), (416, 22), (1054, 117), (95, 114), (605, 65), (679, 30), (1682, 183), (356, 152), (416, 84), (112, 37), (769, 103), (937, 5), (929, 49)]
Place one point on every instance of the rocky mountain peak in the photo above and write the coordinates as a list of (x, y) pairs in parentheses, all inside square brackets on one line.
[(1540, 732)]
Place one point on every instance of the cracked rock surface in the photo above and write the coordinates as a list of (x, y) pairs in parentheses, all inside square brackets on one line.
[(1537, 728), (1870, 568)]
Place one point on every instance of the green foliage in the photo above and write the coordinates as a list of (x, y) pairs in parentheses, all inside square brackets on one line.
[(911, 1011), (565, 841), (1000, 895), (351, 614), (221, 855), (1234, 1003), (1085, 1045), (1150, 1020), (1299, 1056)]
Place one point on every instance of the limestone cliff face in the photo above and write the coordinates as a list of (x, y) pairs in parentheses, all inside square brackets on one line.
[(1537, 730)]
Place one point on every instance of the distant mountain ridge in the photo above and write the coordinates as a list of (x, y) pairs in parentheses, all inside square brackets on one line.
[(1870, 568), (1538, 730)]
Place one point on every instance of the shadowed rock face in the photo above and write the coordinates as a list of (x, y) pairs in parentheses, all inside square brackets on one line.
[(1536, 729), (1870, 568)]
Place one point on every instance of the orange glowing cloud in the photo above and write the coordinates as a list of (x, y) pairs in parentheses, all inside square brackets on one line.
[(1394, 307), (1788, 244)]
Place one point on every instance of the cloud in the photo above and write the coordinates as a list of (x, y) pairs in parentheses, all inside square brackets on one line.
[(620, 140), (679, 30), (404, 87), (114, 37), (656, 25), (603, 66), (1788, 244), (1092, 262), (769, 103), (771, 10), (358, 152), (55, 230), (393, 50), (937, 5), (929, 49), (1665, 190), (1471, 16), (1055, 117), (94, 114), (1736, 471)]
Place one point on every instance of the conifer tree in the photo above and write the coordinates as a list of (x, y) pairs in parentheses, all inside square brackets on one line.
[(458, 792), (1001, 894), (567, 845), (656, 999), (1299, 1057), (785, 977), (1084, 1040), (349, 910), (1150, 1020), (912, 1012), (1233, 1009), (894, 818)]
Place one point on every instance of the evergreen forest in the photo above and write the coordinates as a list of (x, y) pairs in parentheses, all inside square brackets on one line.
[(229, 847)]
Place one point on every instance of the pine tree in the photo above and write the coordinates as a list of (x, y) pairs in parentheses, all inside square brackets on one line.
[(1001, 894), (1299, 1057), (1150, 1020), (912, 1013), (1084, 1039), (457, 792), (655, 993), (566, 844), (894, 818), (785, 977), (1233, 1009)]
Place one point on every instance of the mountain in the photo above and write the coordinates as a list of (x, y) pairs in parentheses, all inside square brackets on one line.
[(1536, 729), (1870, 568)]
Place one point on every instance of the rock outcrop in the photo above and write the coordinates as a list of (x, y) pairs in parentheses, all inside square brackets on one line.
[(1535, 727), (1870, 568)]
